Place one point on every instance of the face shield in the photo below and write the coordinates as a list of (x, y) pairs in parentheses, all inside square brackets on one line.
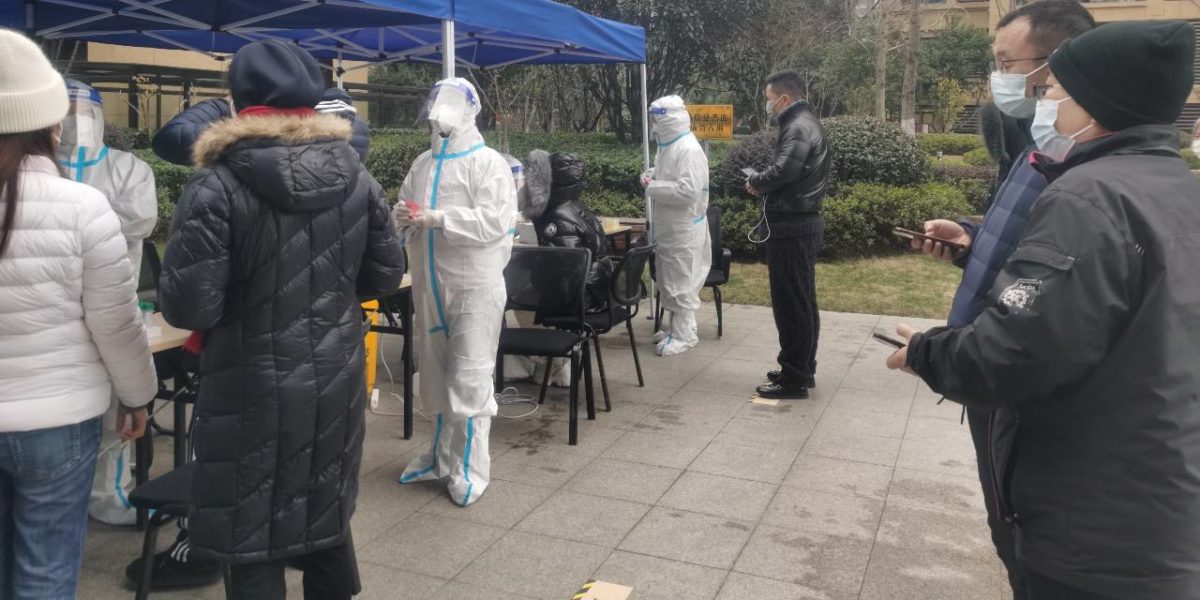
[(451, 107), (669, 118), (83, 127)]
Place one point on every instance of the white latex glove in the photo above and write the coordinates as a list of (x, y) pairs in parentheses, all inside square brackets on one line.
[(647, 177), (429, 219), (402, 216)]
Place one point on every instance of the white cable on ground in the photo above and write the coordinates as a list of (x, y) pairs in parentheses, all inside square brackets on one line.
[(510, 396)]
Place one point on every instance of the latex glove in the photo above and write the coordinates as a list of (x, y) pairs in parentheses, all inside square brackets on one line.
[(647, 177), (404, 212), (429, 219), (899, 359)]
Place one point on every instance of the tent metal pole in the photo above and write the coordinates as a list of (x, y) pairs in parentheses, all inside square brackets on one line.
[(646, 167), (340, 71), (448, 49)]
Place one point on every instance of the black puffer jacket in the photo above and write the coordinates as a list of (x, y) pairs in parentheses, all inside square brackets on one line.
[(1091, 339), (795, 182), (277, 238), (567, 223)]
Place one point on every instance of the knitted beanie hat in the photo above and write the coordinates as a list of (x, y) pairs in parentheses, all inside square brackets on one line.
[(32, 94)]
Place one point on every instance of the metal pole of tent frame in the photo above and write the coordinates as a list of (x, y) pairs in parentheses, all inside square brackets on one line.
[(340, 71), (448, 49), (646, 167)]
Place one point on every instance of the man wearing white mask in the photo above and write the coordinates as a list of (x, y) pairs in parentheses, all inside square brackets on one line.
[(1024, 41), (457, 212), (678, 192), (128, 183)]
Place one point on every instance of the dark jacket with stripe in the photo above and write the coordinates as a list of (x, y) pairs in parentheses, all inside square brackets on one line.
[(277, 238), (1090, 335)]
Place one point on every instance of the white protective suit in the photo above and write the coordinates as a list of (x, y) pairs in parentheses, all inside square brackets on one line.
[(678, 192), (459, 242), (128, 183)]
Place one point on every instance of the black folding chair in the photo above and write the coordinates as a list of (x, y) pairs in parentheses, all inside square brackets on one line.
[(626, 292), (550, 283)]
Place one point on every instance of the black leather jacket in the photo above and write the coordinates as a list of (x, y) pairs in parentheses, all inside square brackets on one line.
[(795, 182), (567, 223)]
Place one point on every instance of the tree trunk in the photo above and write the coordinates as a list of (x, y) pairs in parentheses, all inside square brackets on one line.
[(908, 98), (881, 50)]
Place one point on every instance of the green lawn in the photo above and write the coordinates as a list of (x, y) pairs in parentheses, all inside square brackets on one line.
[(907, 285)]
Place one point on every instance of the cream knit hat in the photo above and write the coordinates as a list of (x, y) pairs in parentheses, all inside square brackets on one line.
[(32, 94)]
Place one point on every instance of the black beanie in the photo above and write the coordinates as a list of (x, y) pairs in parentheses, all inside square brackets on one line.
[(1128, 74), (276, 74)]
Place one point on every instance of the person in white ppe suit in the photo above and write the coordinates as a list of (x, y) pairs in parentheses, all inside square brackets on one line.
[(457, 211), (128, 183), (677, 187)]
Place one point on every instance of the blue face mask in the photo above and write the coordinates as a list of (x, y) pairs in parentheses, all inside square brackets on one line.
[(1049, 141)]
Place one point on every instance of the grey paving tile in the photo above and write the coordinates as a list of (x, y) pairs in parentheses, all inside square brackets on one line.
[(819, 512), (430, 545), (768, 465), (99, 585), (954, 537), (936, 491), (535, 566), (544, 469), (504, 504), (457, 590), (897, 574), (937, 457), (842, 419), (658, 449), (740, 586), (383, 501), (852, 398), (931, 406), (856, 447), (690, 537), (654, 578), (582, 518), (839, 477), (624, 480), (383, 583), (547, 435), (786, 413), (831, 565), (766, 434), (719, 496), (930, 429), (681, 421)]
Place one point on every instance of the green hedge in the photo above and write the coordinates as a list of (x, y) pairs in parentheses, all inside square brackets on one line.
[(169, 181), (978, 157), (859, 220), (976, 183), (949, 144), (1193, 161), (868, 150)]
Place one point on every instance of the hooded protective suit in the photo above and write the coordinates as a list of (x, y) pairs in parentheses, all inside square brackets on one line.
[(678, 190), (128, 183), (459, 239)]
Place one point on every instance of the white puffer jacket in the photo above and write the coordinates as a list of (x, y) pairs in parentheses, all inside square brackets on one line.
[(70, 330)]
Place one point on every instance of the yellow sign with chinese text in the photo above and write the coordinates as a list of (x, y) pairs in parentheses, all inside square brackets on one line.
[(712, 121)]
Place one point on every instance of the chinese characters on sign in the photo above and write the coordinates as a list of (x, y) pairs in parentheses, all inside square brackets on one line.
[(712, 121)]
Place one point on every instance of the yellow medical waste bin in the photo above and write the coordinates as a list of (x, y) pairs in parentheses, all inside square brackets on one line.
[(371, 314)]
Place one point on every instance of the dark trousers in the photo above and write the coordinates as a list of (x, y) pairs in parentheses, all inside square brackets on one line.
[(1044, 588), (1004, 536), (330, 574), (791, 259)]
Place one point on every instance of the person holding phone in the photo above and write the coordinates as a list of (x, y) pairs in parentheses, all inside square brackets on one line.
[(1089, 333), (1024, 40)]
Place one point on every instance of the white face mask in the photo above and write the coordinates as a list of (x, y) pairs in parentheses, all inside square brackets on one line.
[(1049, 141), (770, 107), (1008, 92)]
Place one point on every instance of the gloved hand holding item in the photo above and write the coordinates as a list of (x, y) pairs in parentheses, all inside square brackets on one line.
[(647, 177), (429, 219)]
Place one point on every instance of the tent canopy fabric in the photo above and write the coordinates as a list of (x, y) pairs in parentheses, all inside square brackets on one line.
[(486, 34)]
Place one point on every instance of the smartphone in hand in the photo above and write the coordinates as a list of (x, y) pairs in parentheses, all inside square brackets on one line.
[(888, 340), (909, 234)]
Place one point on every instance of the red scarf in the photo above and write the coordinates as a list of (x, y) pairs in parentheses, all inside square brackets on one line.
[(263, 111)]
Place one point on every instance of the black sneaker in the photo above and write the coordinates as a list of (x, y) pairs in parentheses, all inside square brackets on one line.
[(175, 569), (782, 391), (776, 376)]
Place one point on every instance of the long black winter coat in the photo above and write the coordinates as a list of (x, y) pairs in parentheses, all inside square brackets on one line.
[(1091, 338), (277, 238)]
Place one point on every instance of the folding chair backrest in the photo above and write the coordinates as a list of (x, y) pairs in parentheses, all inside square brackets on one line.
[(627, 279), (547, 280)]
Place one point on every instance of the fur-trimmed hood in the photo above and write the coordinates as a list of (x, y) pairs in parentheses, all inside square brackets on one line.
[(295, 163)]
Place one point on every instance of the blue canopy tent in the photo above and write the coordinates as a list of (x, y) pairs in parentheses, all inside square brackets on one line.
[(477, 34)]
